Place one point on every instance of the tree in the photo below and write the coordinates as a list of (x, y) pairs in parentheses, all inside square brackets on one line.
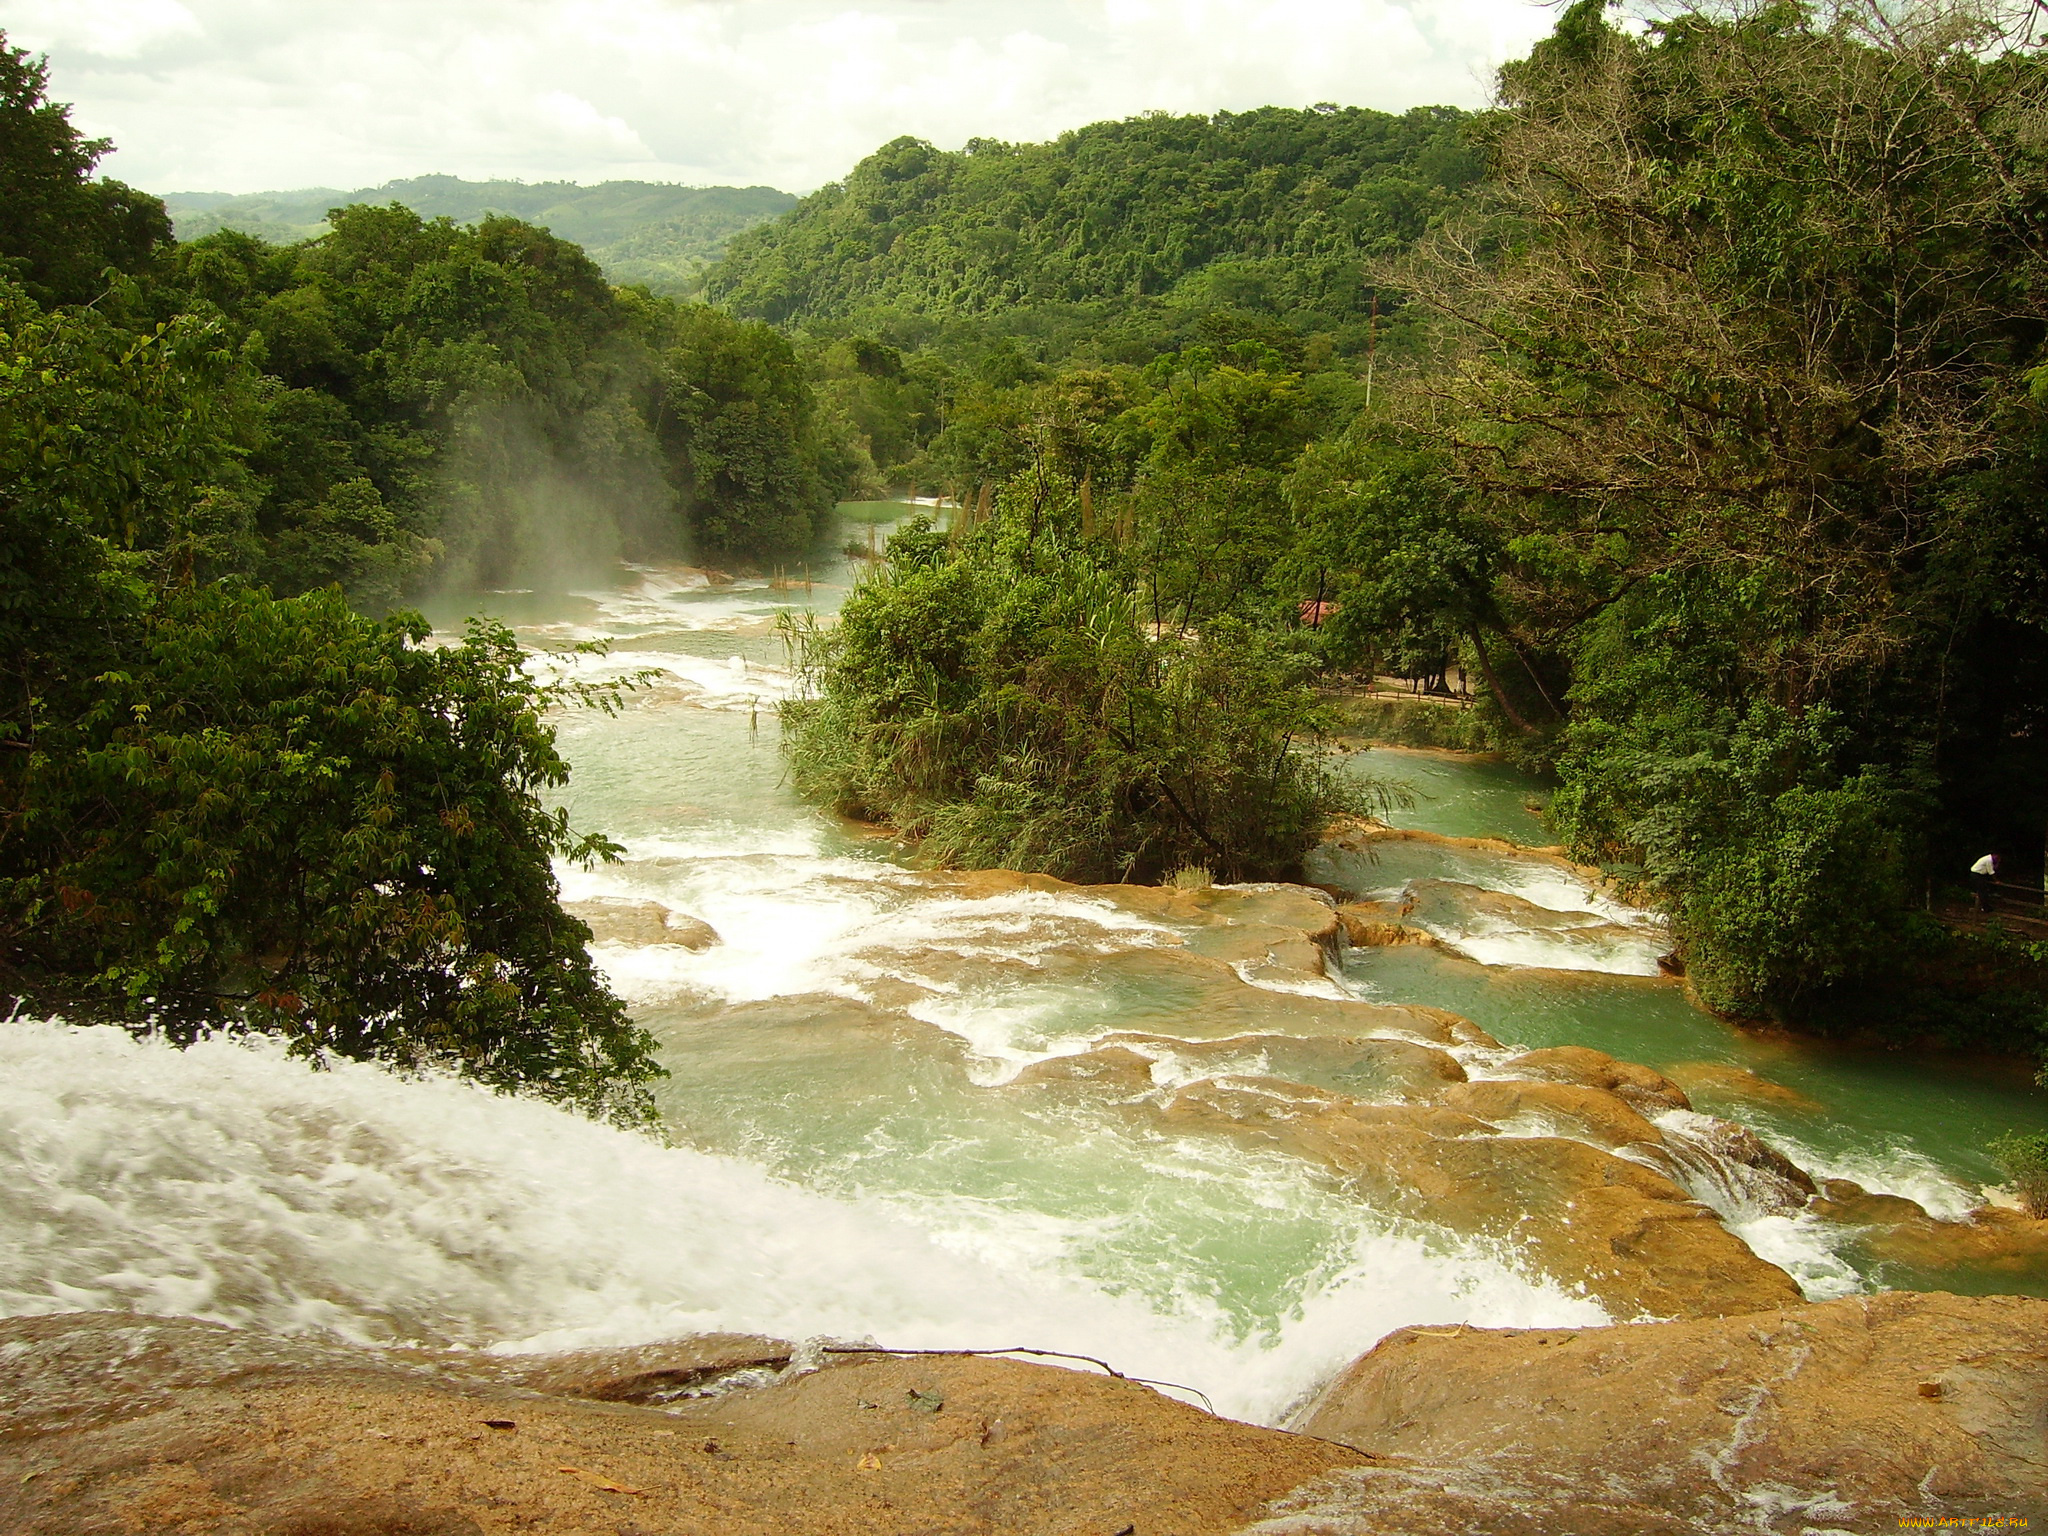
[(280, 816), (59, 228), (999, 699), (220, 810), (1746, 285), (738, 414), (1735, 344)]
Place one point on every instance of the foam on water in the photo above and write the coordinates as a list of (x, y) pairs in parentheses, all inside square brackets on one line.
[(1885, 1170), (233, 1183), (1568, 924), (732, 683), (682, 600), (795, 920), (1613, 951)]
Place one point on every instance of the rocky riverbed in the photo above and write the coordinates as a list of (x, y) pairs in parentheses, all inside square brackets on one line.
[(1720, 1402)]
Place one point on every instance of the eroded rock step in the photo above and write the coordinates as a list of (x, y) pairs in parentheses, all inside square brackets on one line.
[(1851, 1415), (1555, 1154)]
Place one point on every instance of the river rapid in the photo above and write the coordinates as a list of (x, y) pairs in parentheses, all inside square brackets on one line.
[(862, 1142)]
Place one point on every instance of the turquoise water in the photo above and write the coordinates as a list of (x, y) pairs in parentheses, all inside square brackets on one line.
[(873, 1130), (1909, 1121), (1461, 796), (804, 1040)]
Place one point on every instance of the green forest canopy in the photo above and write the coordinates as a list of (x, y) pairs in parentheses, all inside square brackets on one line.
[(653, 233), (1108, 240)]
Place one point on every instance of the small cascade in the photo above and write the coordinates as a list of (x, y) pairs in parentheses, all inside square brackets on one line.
[(231, 1183), (1760, 1195)]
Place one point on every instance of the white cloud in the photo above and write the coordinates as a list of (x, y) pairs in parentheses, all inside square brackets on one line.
[(114, 29), (246, 95)]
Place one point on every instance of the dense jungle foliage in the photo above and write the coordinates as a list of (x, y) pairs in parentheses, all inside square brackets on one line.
[(1705, 438), (431, 402), (1113, 239), (998, 695)]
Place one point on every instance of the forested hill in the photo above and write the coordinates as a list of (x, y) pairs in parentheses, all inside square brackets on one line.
[(1269, 210), (638, 231)]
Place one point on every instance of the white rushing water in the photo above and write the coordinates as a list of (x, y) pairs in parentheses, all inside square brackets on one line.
[(232, 1183)]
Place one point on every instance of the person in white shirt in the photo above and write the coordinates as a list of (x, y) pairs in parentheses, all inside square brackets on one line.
[(1983, 876)]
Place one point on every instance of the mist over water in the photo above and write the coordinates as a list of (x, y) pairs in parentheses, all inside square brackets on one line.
[(859, 1146), (532, 500)]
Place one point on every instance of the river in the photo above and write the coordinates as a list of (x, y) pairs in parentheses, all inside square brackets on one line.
[(859, 1146)]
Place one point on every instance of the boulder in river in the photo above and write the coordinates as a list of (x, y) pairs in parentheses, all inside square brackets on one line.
[(615, 921), (1648, 1090), (1381, 925), (1989, 1240)]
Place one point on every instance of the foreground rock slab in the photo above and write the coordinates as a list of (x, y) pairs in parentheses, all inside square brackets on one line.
[(117, 1424), (1848, 1415)]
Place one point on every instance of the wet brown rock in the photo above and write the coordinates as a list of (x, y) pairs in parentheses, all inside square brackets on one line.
[(1738, 1145), (1113, 1068), (1989, 1240), (1297, 924), (1302, 908), (641, 922), (1381, 925), (1623, 1233), (1571, 1108), (1649, 1091), (980, 884), (1367, 1068), (1719, 1079), (1199, 997), (648, 1374), (263, 1437), (1844, 1416), (1263, 946), (2000, 1241)]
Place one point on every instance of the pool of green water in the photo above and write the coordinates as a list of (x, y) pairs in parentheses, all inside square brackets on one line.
[(1457, 795)]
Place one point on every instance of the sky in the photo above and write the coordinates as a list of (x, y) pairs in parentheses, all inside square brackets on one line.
[(268, 95)]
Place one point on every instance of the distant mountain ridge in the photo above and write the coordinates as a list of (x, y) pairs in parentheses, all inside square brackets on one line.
[(1113, 226), (655, 233)]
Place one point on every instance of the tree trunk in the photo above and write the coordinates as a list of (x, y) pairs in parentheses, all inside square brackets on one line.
[(1500, 696)]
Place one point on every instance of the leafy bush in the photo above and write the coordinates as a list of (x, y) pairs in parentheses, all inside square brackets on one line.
[(2025, 1160), (997, 697)]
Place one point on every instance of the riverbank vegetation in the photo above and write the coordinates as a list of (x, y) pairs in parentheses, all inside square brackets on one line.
[(1695, 412), (999, 696), (223, 808)]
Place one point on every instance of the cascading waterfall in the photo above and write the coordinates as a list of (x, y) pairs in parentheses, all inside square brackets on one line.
[(858, 1150)]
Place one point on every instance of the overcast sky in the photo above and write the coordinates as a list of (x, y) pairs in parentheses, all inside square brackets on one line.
[(258, 95)]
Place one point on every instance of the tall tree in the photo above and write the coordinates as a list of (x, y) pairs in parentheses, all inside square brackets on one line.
[(60, 229)]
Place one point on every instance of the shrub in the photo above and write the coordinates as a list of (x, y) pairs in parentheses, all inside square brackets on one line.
[(998, 698), (2025, 1160)]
